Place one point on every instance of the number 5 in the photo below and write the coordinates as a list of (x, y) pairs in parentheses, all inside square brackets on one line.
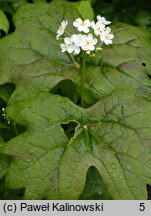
[(142, 206)]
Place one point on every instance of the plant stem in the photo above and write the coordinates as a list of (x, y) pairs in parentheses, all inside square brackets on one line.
[(83, 76), (72, 58), (15, 128)]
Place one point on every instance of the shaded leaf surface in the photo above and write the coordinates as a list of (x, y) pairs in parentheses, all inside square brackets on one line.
[(112, 135), (94, 187)]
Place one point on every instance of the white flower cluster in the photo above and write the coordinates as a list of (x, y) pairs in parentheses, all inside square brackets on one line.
[(95, 34)]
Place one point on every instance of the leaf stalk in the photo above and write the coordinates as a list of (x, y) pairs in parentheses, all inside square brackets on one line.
[(83, 77)]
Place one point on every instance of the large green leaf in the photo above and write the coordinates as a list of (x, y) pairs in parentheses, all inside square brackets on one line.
[(85, 9), (113, 134)]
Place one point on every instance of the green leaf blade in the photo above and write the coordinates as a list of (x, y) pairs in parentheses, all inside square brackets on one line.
[(4, 23)]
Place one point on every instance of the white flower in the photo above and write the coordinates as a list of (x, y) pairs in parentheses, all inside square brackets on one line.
[(98, 27), (82, 25), (88, 42), (103, 20), (106, 37), (61, 28), (71, 44)]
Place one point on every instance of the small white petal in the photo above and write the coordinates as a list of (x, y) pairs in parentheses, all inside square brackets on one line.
[(87, 23), (88, 42), (97, 27), (61, 28), (77, 22), (82, 26), (77, 50), (70, 49), (103, 20), (108, 30), (111, 36), (106, 37), (63, 47), (64, 23), (67, 40)]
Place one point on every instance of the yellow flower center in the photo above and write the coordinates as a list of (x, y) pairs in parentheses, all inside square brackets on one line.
[(106, 36), (82, 23), (60, 27), (88, 42)]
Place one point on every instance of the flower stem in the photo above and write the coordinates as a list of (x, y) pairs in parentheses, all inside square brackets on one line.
[(15, 128), (83, 77), (72, 58)]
